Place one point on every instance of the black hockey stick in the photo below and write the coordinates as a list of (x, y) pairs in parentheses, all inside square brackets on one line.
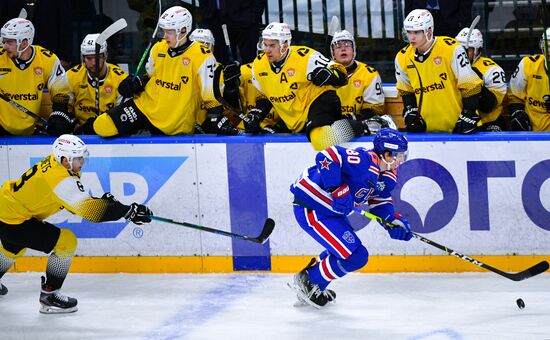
[(24, 109), (231, 60), (219, 97), (269, 224), (538, 268)]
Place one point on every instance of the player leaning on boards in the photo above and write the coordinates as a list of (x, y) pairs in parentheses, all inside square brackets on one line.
[(299, 83), (82, 83), (167, 99), (494, 86), (362, 98), (26, 70), (440, 90), (49, 186), (529, 105), (326, 193)]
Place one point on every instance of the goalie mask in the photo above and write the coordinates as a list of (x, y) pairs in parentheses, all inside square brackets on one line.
[(339, 38), (176, 18), (394, 142), (72, 148), (18, 29), (475, 41), (204, 36)]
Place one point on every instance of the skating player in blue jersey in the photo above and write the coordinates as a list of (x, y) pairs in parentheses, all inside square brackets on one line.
[(326, 193)]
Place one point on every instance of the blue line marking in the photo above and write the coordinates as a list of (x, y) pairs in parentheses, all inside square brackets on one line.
[(440, 333), (193, 315)]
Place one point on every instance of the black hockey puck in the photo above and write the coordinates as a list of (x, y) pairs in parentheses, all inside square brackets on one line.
[(520, 303)]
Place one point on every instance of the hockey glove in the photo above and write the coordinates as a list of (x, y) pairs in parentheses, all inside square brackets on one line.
[(342, 201), (254, 119), (232, 77), (60, 123), (138, 214), (402, 229), (219, 124), (467, 122), (413, 119), (87, 128), (323, 76), (268, 130), (487, 100), (520, 121), (132, 85)]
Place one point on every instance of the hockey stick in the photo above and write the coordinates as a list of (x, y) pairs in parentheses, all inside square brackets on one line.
[(153, 38), (24, 109), (219, 97), (538, 268), (114, 28), (231, 60), (332, 28), (269, 224), (472, 26), (23, 14)]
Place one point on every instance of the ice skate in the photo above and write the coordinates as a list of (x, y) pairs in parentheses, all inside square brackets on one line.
[(310, 293), (53, 302), (3, 289)]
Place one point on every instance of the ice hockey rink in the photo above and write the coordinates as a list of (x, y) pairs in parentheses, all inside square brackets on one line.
[(260, 306)]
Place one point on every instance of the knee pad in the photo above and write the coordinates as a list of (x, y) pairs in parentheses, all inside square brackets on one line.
[(66, 244), (357, 260), (338, 132), (104, 126)]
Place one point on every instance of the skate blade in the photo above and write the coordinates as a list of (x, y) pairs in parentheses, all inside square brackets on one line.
[(302, 296), (56, 310)]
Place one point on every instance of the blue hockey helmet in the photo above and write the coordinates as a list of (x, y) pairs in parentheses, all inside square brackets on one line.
[(393, 141)]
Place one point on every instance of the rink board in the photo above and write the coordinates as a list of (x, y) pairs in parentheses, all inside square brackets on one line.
[(485, 195)]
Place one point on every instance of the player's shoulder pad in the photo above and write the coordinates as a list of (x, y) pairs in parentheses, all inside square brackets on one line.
[(44, 51), (76, 68), (202, 47), (303, 50), (533, 58)]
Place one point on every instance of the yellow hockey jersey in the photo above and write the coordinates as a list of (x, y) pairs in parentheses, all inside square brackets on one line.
[(289, 90), (44, 190), (177, 87), (363, 91), (528, 85), (25, 83), (494, 79), (80, 82), (446, 77)]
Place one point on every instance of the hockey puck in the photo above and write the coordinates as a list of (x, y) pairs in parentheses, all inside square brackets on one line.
[(520, 303)]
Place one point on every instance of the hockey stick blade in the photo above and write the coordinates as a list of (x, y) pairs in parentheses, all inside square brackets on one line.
[(114, 28), (539, 268), (264, 235), (334, 26), (472, 26), (23, 14)]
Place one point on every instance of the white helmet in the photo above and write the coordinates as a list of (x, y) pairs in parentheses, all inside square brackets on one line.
[(176, 18), (541, 43), (342, 35), (277, 31), (476, 38), (419, 20), (88, 45), (70, 147), (203, 35), (18, 29)]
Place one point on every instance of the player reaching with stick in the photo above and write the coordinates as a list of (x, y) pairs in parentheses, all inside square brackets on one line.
[(49, 186), (440, 91), (326, 193)]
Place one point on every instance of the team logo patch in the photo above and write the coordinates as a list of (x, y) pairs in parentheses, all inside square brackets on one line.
[(186, 61), (437, 60), (380, 186), (108, 89), (348, 237), (357, 82), (325, 163), (291, 72), (38, 71)]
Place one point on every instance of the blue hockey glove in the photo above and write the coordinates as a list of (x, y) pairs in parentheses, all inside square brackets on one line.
[(342, 201), (402, 229)]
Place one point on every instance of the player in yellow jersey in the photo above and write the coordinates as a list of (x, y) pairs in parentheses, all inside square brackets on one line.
[(529, 104), (300, 83), (362, 98), (25, 70), (49, 186), (179, 79), (494, 86), (440, 90), (82, 82)]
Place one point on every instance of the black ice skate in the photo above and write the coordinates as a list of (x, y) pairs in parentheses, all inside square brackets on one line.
[(3, 289), (53, 302), (307, 292)]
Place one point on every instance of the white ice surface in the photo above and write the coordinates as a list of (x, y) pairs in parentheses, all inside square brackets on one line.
[(259, 306)]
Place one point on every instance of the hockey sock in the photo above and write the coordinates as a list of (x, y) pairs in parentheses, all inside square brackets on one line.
[(60, 259), (340, 131), (7, 260), (325, 271)]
